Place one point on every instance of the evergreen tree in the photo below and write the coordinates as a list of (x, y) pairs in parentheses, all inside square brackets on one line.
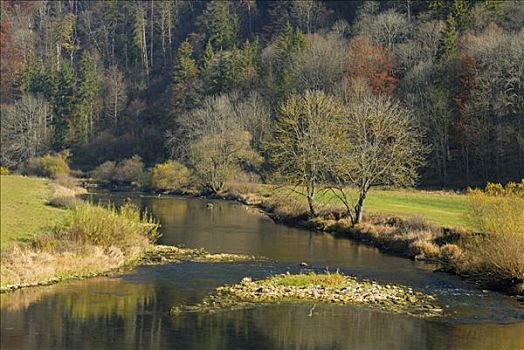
[(289, 44), (207, 55), (220, 25), (63, 106), (186, 67), (185, 75), (450, 36), (87, 91)]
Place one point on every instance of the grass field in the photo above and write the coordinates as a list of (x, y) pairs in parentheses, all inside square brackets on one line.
[(24, 209), (443, 208)]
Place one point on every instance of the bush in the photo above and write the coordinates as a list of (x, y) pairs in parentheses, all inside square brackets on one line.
[(50, 165), (497, 211), (169, 175), (104, 172), (425, 249), (66, 181), (130, 171), (4, 170), (63, 196)]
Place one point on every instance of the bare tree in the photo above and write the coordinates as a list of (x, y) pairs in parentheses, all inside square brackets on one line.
[(322, 63), (25, 129), (116, 95), (213, 140), (383, 147), (305, 135), (386, 28), (254, 115)]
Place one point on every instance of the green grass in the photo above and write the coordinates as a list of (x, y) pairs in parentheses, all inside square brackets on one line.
[(24, 209), (327, 280), (442, 208), (447, 209)]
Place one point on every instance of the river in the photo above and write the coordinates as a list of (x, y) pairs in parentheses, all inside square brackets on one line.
[(131, 310)]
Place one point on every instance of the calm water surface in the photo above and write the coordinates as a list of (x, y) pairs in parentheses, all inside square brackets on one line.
[(131, 311)]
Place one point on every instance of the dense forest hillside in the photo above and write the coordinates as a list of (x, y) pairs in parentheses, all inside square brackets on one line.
[(107, 80)]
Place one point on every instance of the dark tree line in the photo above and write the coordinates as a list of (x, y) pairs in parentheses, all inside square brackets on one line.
[(110, 79)]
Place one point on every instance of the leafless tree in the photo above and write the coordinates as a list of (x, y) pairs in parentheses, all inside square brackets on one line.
[(305, 136), (383, 147), (25, 129), (322, 63), (116, 94), (215, 142)]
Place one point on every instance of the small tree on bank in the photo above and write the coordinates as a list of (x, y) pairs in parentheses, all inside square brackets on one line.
[(305, 137), (382, 147)]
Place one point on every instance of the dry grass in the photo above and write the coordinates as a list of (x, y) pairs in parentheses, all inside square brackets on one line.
[(425, 249), (92, 239), (24, 265)]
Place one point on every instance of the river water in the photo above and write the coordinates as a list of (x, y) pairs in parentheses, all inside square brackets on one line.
[(131, 311)]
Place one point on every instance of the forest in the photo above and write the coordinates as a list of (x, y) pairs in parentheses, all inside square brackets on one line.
[(216, 86)]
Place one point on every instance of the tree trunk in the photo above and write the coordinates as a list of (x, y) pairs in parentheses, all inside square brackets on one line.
[(311, 198), (359, 207)]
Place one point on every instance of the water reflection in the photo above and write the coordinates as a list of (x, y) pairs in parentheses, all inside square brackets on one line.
[(131, 311)]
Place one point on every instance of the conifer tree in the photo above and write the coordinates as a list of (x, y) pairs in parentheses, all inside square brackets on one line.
[(87, 91), (63, 106), (220, 25)]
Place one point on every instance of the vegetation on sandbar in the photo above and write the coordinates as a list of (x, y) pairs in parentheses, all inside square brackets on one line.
[(332, 288)]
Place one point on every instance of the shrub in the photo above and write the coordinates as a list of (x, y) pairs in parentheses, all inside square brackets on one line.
[(498, 256), (4, 170), (50, 165), (418, 223), (63, 196), (425, 248), (104, 172), (169, 175), (451, 254), (66, 181), (130, 171), (498, 211)]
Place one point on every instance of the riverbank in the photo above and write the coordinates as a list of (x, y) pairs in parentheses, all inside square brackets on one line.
[(412, 237), (155, 255), (83, 240), (332, 288)]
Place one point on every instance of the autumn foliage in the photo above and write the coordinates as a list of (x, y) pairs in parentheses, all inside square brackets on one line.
[(374, 64)]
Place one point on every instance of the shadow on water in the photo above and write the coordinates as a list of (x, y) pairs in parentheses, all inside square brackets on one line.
[(131, 311)]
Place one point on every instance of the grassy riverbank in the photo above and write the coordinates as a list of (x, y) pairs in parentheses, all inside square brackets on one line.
[(25, 211), (444, 208), (42, 244), (493, 260)]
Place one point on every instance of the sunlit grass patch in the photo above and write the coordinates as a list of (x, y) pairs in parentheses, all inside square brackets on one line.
[(24, 208), (327, 280)]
